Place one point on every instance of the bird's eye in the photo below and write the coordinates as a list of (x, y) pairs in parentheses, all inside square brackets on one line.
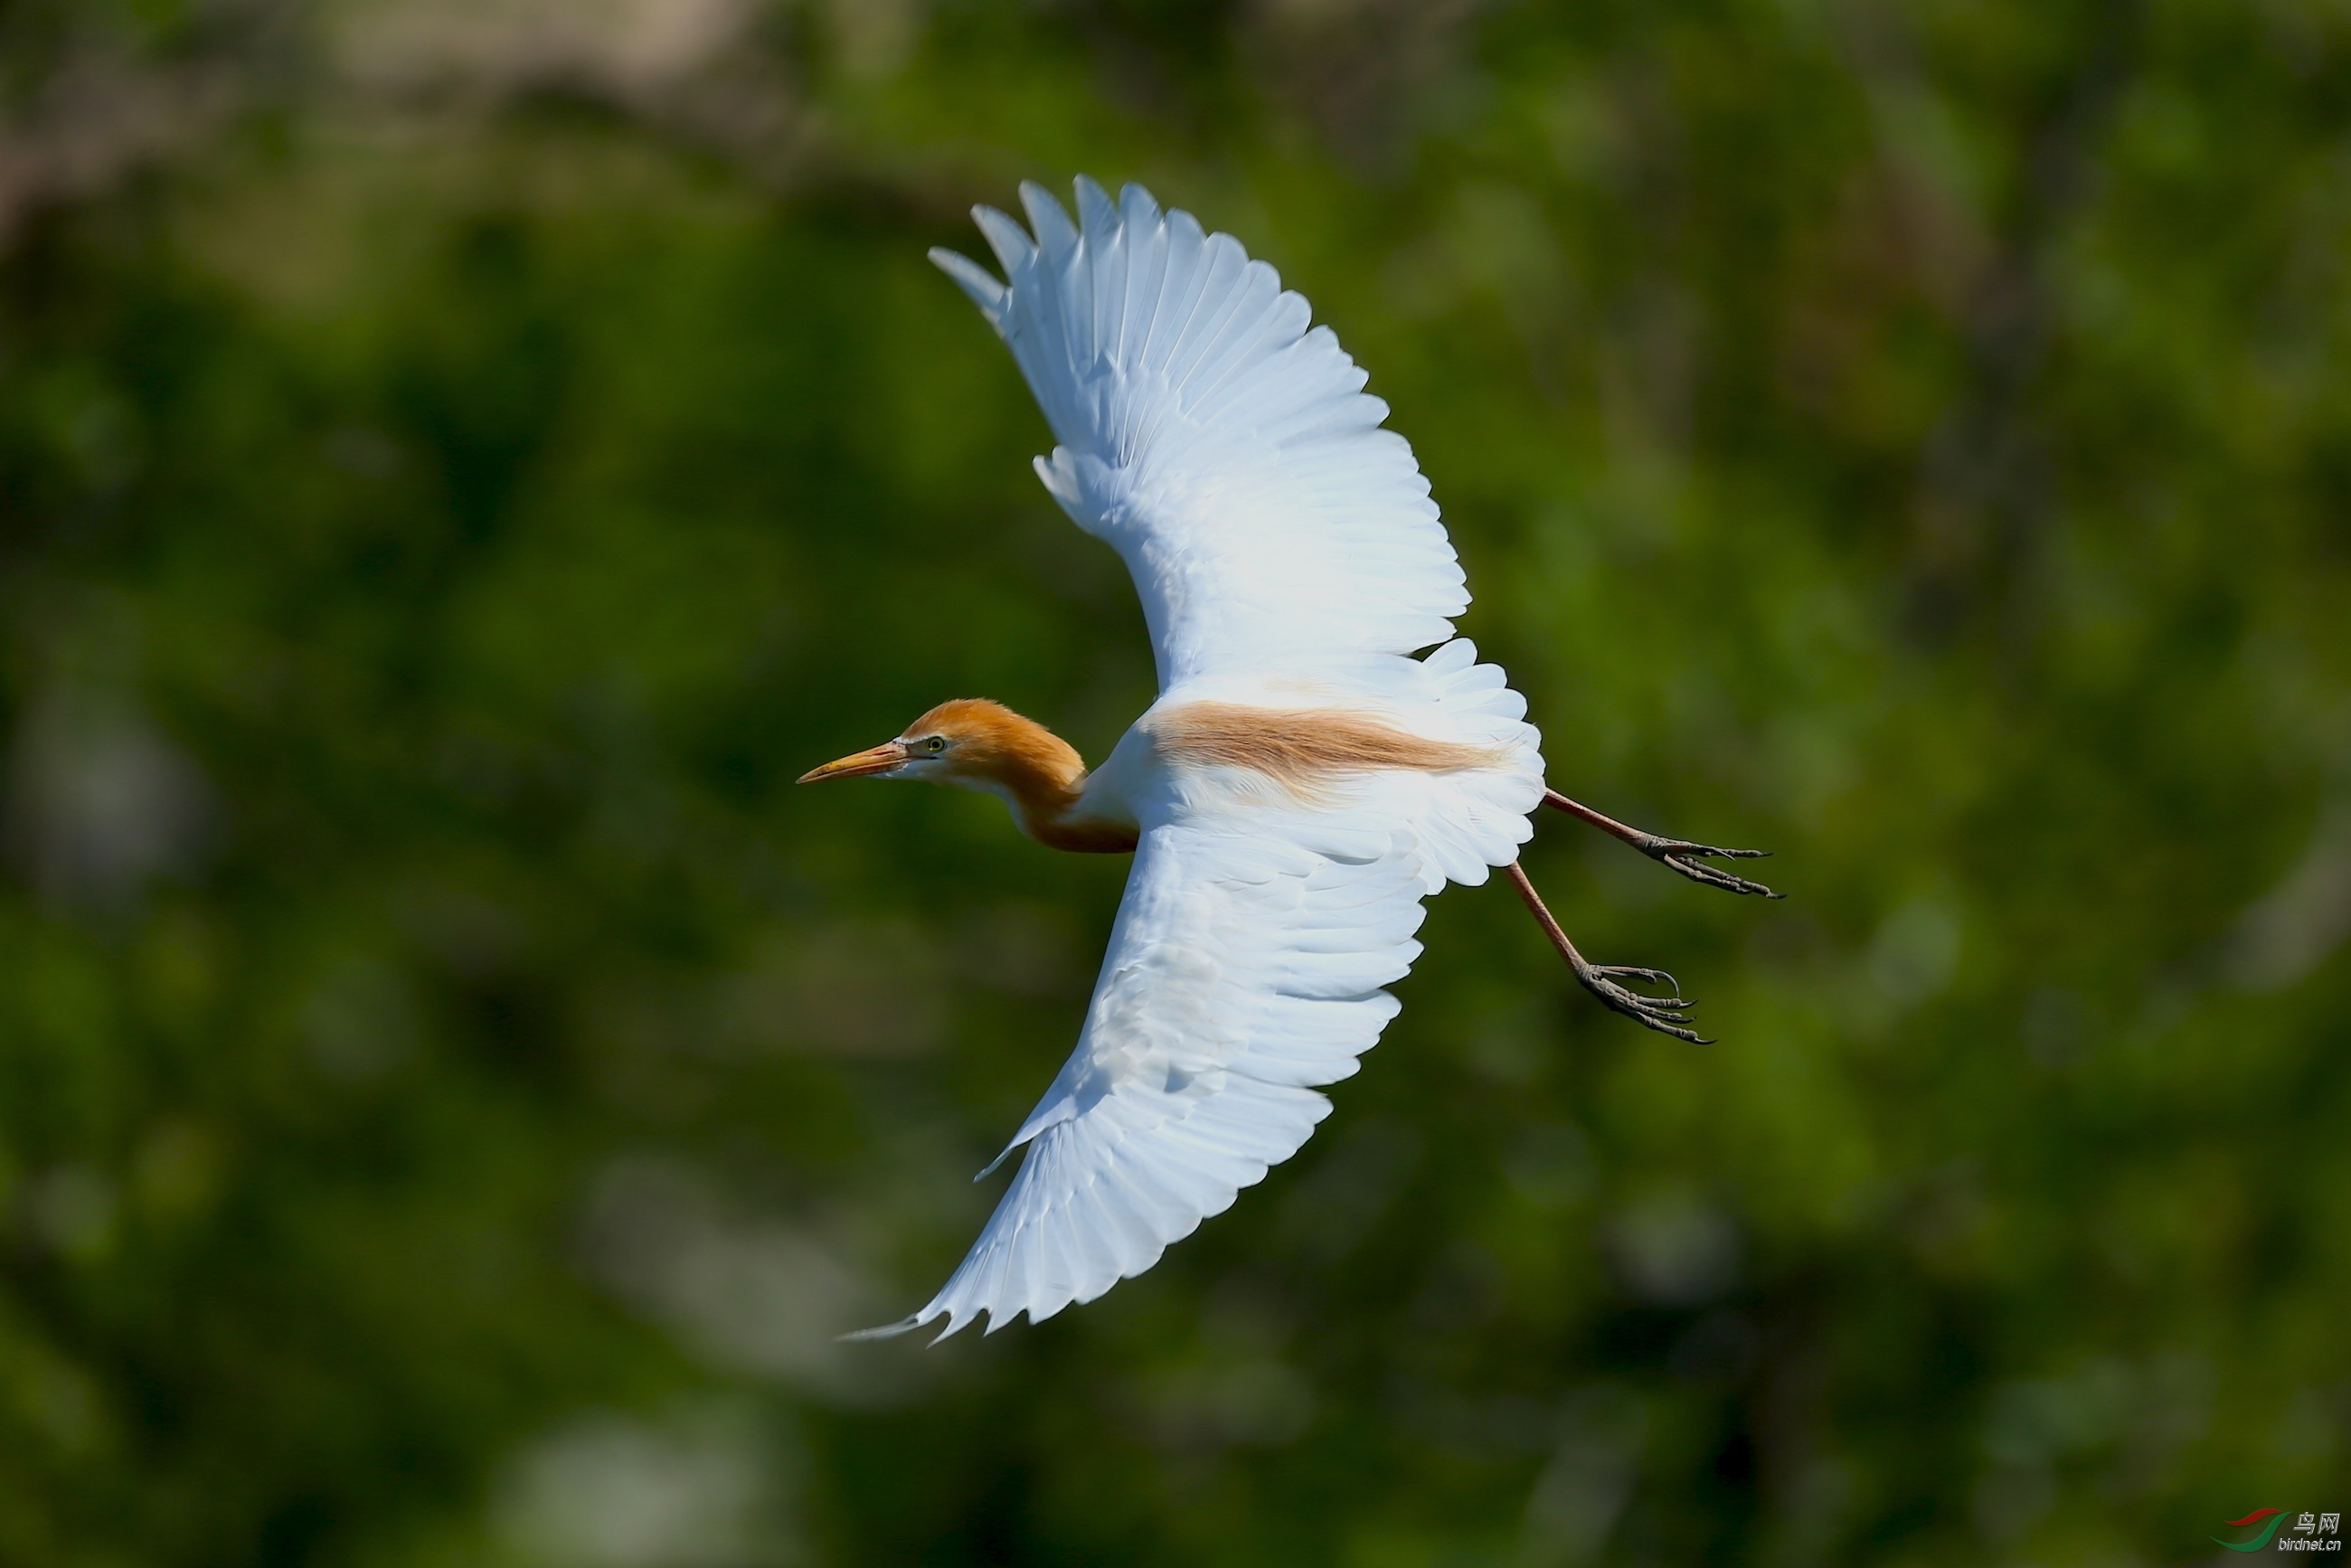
[(936, 745)]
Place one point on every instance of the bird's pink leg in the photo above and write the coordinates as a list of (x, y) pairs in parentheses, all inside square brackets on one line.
[(1678, 854), (1663, 1014)]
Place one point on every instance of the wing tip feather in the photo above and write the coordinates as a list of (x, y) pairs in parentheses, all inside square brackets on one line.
[(990, 296), (887, 1331)]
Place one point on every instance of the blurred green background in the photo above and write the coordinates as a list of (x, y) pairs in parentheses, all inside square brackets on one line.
[(461, 459)]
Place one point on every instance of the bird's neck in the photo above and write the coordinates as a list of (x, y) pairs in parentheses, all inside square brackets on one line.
[(1044, 779)]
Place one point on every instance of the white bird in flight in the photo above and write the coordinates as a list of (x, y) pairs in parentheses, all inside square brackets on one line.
[(1303, 781)]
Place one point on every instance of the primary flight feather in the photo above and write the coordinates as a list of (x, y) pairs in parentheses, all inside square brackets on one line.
[(1301, 784)]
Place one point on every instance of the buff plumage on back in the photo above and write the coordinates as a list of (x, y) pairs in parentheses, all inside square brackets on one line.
[(1228, 452)]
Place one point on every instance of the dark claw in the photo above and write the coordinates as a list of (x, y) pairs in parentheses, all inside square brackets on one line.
[(1664, 1014), (1646, 976), (1681, 855)]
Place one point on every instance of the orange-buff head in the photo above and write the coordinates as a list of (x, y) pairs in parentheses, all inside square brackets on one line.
[(978, 745)]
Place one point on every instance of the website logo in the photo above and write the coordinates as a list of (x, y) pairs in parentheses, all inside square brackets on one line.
[(2312, 1531), (2276, 1516)]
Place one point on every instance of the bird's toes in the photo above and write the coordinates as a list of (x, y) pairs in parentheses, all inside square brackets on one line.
[(1634, 1003), (1672, 1023), (1664, 1014), (1634, 972), (1714, 876), (1663, 847)]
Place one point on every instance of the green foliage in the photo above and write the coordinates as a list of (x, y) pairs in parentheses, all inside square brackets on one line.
[(463, 462)]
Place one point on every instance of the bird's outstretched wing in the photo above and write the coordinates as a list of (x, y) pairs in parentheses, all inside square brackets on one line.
[(1228, 452), (1284, 547), (1245, 969)]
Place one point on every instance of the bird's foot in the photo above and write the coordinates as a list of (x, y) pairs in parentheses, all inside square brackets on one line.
[(1684, 857), (1681, 854), (1664, 1014), (1667, 1015)]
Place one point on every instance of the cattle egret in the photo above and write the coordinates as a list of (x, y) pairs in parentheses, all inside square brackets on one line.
[(1303, 780)]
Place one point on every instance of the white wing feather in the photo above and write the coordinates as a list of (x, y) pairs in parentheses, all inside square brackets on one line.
[(1245, 969), (1287, 553), (1227, 452)]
